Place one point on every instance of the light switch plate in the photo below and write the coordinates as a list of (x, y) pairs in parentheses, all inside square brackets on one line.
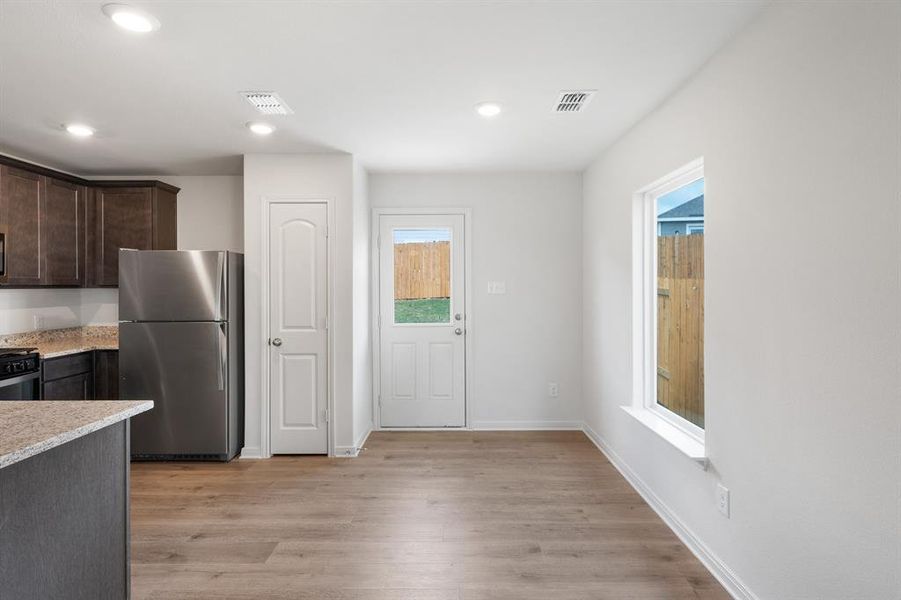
[(497, 287)]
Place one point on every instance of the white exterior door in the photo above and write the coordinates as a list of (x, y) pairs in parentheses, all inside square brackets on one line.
[(298, 336), (422, 321)]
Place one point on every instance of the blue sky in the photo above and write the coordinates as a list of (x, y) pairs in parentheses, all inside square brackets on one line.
[(680, 196), (410, 236)]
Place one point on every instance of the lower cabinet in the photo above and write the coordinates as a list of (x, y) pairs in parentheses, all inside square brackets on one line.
[(73, 387), (84, 376), (106, 375)]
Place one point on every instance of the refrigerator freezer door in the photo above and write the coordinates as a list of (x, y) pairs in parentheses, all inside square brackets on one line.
[(183, 368), (172, 285)]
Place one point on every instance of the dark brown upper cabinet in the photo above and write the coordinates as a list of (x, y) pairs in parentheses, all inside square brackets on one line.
[(138, 217), (63, 233), (57, 229), (20, 217)]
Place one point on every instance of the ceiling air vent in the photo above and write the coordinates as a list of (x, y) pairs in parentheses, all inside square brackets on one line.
[(267, 103), (573, 100)]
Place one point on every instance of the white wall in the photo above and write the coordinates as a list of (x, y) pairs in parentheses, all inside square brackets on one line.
[(311, 177), (56, 308), (526, 232), (798, 122), (210, 217), (210, 211), (362, 325)]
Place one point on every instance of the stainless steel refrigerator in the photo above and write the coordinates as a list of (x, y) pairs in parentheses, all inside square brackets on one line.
[(181, 344)]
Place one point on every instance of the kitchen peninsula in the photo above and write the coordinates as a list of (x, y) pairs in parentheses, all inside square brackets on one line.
[(64, 485)]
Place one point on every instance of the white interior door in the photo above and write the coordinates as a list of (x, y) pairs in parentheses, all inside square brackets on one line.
[(422, 321), (298, 336)]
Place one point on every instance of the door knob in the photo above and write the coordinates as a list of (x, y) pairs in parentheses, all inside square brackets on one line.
[(276, 341), (458, 331), (458, 317)]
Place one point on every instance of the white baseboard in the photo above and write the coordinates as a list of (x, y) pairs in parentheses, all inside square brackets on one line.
[(361, 441), (717, 568), (251, 452), (353, 451), (526, 425), (421, 429)]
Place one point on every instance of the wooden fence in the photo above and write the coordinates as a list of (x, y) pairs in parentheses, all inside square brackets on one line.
[(680, 325), (422, 270)]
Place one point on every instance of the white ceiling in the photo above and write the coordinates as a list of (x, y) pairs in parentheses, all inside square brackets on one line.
[(394, 83)]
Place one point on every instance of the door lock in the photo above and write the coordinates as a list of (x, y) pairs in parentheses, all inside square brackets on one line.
[(458, 317), (276, 341)]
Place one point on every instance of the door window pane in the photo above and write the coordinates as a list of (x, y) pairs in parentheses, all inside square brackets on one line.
[(422, 275), (680, 301)]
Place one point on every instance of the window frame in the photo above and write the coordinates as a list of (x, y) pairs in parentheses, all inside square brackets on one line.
[(691, 229), (682, 433)]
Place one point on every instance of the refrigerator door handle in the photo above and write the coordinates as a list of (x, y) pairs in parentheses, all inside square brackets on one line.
[(221, 291), (223, 355)]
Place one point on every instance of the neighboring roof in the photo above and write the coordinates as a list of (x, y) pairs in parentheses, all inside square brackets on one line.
[(692, 208)]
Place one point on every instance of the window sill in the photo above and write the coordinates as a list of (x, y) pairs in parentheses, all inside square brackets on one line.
[(684, 443)]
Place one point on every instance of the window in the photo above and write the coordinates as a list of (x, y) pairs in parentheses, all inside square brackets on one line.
[(422, 267), (680, 303), (669, 297), (695, 228)]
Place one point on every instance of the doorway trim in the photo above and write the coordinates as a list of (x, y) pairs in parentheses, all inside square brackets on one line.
[(377, 213), (265, 425)]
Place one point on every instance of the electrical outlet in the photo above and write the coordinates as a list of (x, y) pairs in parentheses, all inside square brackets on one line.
[(553, 390), (38, 321), (722, 499), (497, 287)]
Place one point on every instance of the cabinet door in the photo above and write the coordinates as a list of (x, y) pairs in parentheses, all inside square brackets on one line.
[(74, 387), (20, 214), (64, 366), (165, 220), (62, 233), (106, 375), (123, 218)]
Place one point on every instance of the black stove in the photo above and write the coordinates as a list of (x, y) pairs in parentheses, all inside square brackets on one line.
[(20, 373), (18, 361)]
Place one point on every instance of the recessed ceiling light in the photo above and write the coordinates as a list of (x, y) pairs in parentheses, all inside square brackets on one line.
[(79, 130), (261, 128), (131, 18), (488, 109)]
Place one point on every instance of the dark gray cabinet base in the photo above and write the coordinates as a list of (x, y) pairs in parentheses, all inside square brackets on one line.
[(73, 387), (91, 375), (106, 375), (64, 521)]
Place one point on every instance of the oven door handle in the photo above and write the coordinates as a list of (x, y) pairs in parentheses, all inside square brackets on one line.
[(19, 379)]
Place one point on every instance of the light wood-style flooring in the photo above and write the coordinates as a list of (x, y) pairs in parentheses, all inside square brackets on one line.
[(418, 516)]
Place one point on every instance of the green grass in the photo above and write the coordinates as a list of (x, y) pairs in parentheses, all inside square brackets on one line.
[(426, 310)]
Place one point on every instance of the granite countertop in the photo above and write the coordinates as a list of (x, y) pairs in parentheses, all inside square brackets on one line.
[(29, 427), (51, 343)]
